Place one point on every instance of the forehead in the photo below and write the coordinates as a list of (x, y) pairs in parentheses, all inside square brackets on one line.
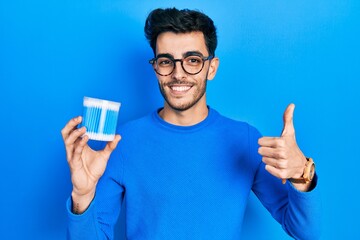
[(177, 44)]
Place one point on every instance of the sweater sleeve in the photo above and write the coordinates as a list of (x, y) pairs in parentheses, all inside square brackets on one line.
[(98, 221), (298, 212), (82, 225)]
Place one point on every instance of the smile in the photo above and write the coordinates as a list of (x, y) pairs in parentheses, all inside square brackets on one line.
[(180, 88)]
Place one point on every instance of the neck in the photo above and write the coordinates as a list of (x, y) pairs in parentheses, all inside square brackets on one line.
[(187, 117)]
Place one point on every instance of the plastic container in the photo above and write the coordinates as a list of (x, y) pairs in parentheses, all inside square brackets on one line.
[(100, 118)]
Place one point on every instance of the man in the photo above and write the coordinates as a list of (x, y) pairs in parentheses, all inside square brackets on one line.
[(185, 171)]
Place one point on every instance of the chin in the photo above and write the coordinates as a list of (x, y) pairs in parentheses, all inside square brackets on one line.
[(182, 106)]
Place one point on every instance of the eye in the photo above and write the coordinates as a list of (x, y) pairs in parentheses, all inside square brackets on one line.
[(193, 60), (164, 62)]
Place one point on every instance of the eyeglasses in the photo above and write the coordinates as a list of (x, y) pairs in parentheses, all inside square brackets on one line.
[(164, 64)]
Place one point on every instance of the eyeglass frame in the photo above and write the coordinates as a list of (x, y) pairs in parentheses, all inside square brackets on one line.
[(174, 60)]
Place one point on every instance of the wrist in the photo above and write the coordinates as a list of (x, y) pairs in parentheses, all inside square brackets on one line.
[(300, 173), (80, 203), (308, 173), (302, 187)]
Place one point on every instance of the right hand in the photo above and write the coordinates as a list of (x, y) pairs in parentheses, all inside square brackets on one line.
[(86, 165)]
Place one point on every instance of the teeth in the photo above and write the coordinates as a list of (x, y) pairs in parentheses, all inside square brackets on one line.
[(180, 88)]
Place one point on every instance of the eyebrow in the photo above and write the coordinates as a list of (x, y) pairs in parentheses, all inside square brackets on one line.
[(186, 54), (193, 53)]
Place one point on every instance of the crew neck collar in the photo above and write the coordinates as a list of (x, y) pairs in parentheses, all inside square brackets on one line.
[(209, 119)]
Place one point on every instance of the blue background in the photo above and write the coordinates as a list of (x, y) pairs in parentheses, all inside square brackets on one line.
[(52, 53)]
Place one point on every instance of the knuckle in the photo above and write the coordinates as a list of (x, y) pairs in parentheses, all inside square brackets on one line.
[(67, 142), (280, 154), (281, 143), (63, 132), (279, 165), (283, 174), (75, 119), (283, 164), (277, 153), (79, 149), (83, 141), (69, 156)]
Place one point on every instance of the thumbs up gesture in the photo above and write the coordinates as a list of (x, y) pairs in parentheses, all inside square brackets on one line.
[(282, 156)]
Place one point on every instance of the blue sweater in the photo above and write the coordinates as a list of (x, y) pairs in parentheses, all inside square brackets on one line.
[(190, 183)]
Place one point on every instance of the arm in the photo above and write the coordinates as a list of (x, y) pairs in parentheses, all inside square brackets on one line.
[(86, 167), (99, 219), (295, 206), (299, 213)]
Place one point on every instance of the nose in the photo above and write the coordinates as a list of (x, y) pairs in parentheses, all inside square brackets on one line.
[(178, 72)]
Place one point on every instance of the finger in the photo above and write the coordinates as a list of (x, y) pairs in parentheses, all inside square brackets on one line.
[(110, 146), (79, 149), (70, 126), (74, 135), (288, 121), (270, 152), (272, 142), (279, 173), (279, 164), (70, 143)]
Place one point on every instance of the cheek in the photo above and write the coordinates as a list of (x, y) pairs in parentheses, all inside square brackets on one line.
[(161, 80), (202, 80)]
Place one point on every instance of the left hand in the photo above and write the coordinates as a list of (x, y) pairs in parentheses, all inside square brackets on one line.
[(282, 156)]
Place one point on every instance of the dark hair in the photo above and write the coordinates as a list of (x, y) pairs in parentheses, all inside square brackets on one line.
[(180, 21)]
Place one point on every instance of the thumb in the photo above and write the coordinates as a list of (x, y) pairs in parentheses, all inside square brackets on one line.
[(288, 121), (110, 146)]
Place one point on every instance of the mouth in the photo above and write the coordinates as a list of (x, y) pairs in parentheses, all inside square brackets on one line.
[(179, 89)]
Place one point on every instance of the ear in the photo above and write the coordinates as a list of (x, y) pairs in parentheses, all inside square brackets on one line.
[(214, 64)]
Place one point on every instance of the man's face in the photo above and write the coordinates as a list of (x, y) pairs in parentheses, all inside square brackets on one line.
[(181, 90)]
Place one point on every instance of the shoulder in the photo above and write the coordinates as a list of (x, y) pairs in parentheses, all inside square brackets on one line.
[(236, 126), (135, 124), (130, 132), (242, 138)]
